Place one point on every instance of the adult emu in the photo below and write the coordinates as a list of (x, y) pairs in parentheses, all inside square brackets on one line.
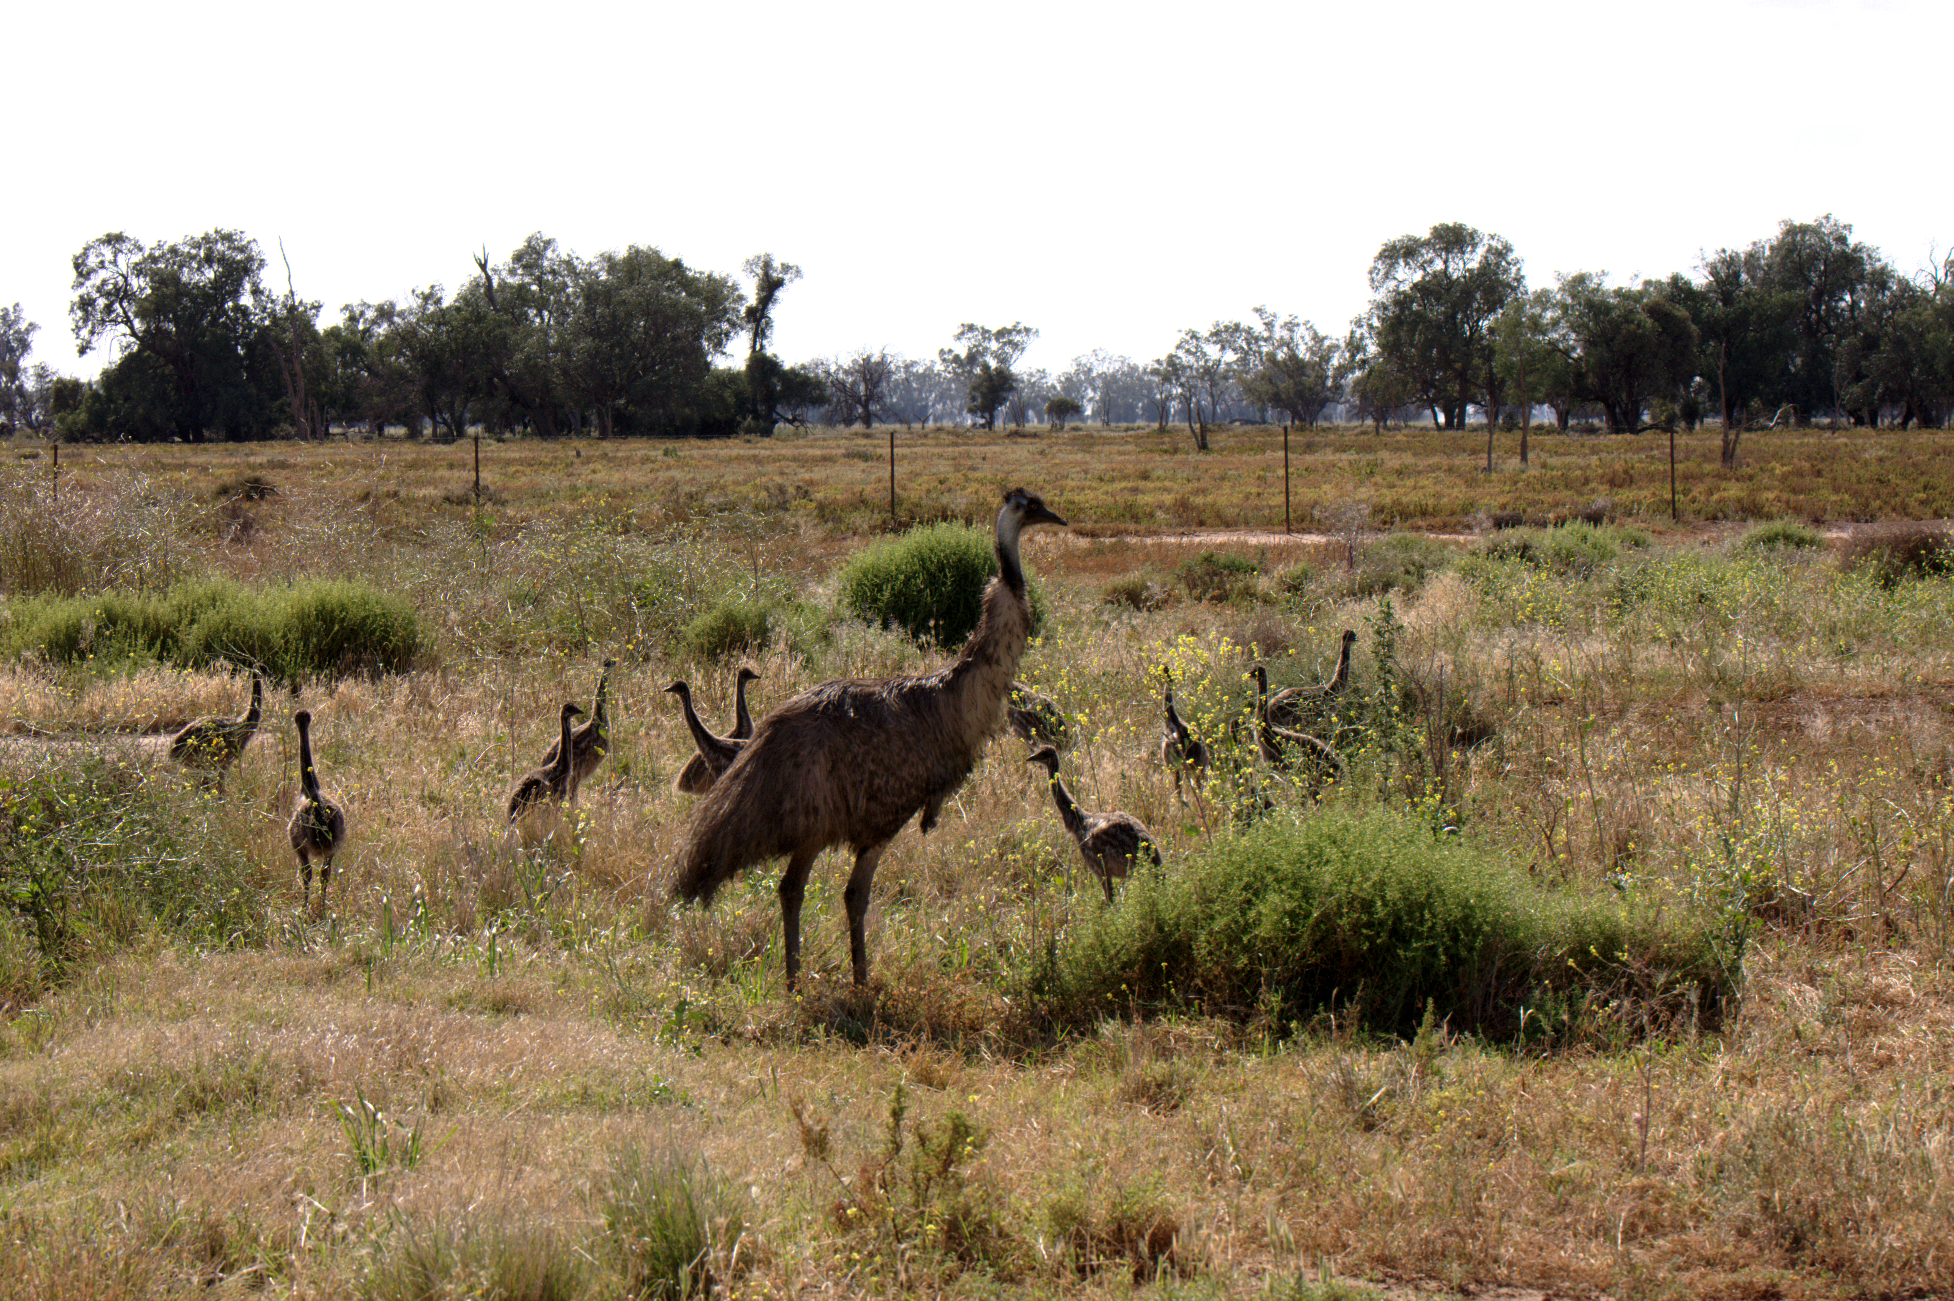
[(850, 762)]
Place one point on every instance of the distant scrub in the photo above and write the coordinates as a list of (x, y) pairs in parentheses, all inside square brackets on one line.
[(1576, 550), (1368, 914), (1398, 562), (1892, 557), (1218, 576), (320, 626), (929, 582), (1781, 535)]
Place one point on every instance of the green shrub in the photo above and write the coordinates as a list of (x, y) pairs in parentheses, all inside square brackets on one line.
[(1217, 576), (1781, 535), (347, 627), (91, 854), (929, 582), (1136, 592), (319, 626), (732, 627), (1399, 562), (1576, 549), (1368, 913)]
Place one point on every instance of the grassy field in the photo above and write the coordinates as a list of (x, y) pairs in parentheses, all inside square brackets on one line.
[(499, 1071)]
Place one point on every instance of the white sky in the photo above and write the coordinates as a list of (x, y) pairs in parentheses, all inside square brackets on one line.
[(1109, 173)]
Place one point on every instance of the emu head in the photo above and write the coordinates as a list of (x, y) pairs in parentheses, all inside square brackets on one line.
[(1046, 755), (1022, 509), (570, 711), (746, 674)]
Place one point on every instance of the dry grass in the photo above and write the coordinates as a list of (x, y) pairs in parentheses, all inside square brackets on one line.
[(1708, 726)]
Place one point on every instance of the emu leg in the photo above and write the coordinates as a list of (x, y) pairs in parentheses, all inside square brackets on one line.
[(1106, 879), (793, 888), (305, 880), (856, 897)]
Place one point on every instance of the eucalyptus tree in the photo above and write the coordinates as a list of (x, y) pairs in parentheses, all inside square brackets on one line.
[(16, 341), (1633, 344), (181, 319), (1293, 367), (642, 335), (858, 387), (1535, 355), (1435, 297), (984, 361)]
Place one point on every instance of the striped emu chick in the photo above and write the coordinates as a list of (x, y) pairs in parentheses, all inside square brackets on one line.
[(1312, 760), (1184, 753), (1111, 843), (714, 753), (1036, 718), (590, 741), (850, 762), (318, 826), (551, 785), (209, 746), (1293, 706)]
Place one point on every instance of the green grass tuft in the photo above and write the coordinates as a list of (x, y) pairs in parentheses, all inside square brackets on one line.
[(1367, 914)]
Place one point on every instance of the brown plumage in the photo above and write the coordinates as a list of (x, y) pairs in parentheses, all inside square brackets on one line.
[(1184, 753), (210, 746), (1036, 718), (1294, 706), (590, 742), (1111, 843), (318, 826), (851, 762), (699, 773), (1314, 760), (551, 784)]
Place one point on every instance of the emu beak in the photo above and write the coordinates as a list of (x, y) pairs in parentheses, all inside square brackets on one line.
[(1045, 516)]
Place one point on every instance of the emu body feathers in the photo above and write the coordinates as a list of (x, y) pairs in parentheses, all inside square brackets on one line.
[(850, 762)]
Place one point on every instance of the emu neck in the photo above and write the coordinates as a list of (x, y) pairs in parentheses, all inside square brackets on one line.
[(980, 680), (701, 735), (1068, 808), (257, 701), (597, 714), (308, 780), (563, 756), (742, 720)]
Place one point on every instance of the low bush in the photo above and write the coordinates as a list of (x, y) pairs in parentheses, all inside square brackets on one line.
[(732, 627), (1369, 915), (1576, 549), (1217, 576), (929, 582), (321, 626), (1398, 562), (91, 854), (1136, 592), (1781, 535), (1896, 555)]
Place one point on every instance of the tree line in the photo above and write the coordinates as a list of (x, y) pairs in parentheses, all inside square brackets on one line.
[(1808, 324)]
